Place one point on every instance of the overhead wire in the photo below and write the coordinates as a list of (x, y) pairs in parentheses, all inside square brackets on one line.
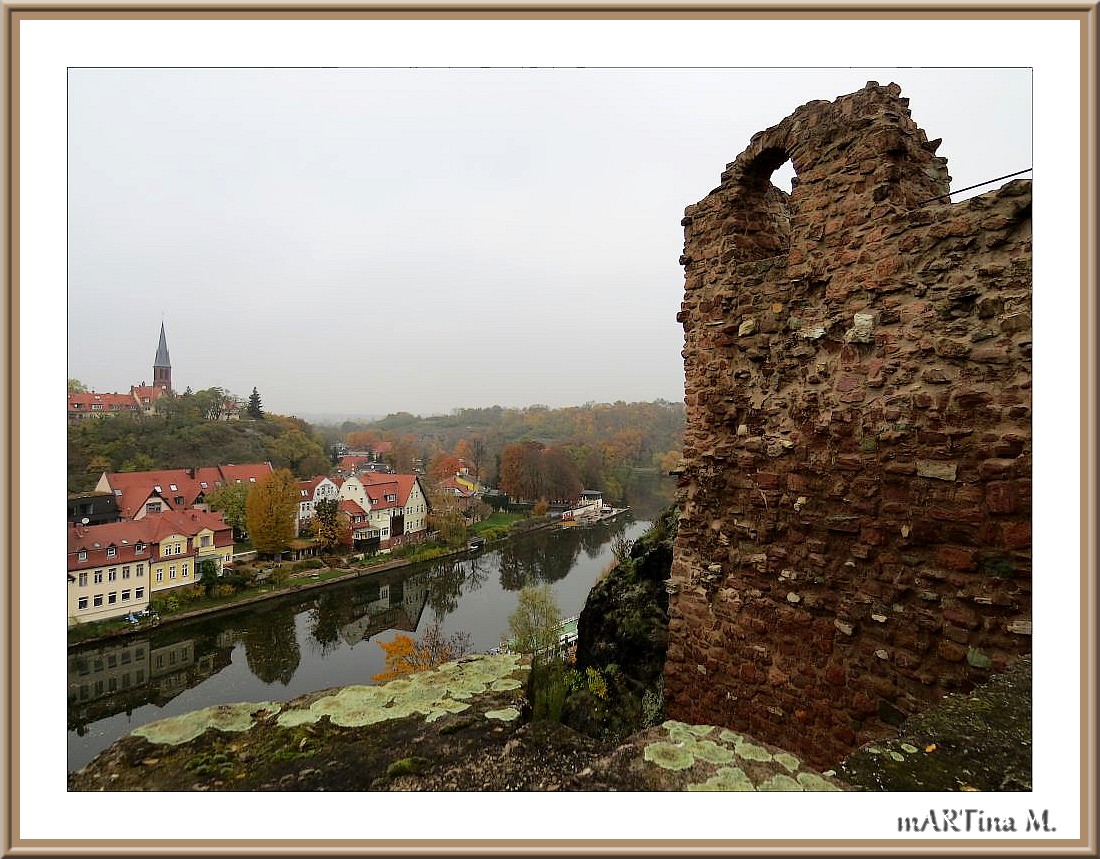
[(972, 187)]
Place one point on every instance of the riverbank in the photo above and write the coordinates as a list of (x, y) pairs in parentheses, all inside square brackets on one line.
[(294, 585)]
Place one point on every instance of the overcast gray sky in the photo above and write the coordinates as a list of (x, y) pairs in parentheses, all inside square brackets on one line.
[(365, 241)]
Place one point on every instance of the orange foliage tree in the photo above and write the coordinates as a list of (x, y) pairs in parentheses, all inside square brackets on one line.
[(405, 656)]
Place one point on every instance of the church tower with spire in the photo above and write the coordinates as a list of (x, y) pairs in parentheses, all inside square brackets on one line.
[(162, 365)]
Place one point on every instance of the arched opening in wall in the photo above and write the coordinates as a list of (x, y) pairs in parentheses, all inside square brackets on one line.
[(768, 204), (784, 176)]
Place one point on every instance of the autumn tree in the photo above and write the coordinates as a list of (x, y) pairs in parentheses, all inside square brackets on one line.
[(472, 450), (229, 500), (520, 471), (560, 479), (443, 466), (362, 439), (298, 452), (405, 656), (331, 527), (534, 623), (271, 509), (402, 456)]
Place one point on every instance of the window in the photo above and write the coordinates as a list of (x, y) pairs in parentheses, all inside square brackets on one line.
[(97, 577), (82, 555), (172, 571), (125, 572), (178, 499), (82, 603), (112, 574), (173, 487), (140, 570), (205, 541), (112, 660), (82, 579), (125, 595), (159, 661), (111, 551), (160, 575), (112, 597), (139, 593), (139, 675), (186, 570), (139, 547), (153, 507), (97, 600)]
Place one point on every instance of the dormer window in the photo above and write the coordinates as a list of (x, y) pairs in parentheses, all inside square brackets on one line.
[(139, 547), (252, 480), (173, 487), (112, 551), (202, 483), (391, 497), (157, 489), (82, 555)]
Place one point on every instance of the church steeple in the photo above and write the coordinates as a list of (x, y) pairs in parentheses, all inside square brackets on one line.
[(162, 364)]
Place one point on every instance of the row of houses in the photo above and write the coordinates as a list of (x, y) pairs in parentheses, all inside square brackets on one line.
[(141, 533), (116, 568), (382, 509), (89, 404)]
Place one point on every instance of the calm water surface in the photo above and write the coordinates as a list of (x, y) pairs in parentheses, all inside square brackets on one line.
[(292, 645)]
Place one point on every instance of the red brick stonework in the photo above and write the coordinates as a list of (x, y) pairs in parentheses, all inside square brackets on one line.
[(854, 539)]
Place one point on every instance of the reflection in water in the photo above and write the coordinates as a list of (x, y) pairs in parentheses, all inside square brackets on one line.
[(271, 644), (303, 642)]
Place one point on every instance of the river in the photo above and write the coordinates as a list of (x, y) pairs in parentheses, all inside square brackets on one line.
[(288, 646)]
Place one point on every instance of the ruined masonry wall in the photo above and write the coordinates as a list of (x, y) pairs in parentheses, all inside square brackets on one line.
[(855, 534)]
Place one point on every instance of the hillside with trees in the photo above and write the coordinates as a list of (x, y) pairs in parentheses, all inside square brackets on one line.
[(187, 433), (535, 452)]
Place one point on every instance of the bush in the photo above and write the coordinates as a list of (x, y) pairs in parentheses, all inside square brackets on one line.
[(547, 689), (307, 564)]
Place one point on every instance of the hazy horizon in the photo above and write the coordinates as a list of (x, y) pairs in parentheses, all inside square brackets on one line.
[(378, 240)]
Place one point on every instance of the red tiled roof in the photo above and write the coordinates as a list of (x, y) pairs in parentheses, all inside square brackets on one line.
[(250, 473), (351, 463), (152, 392), (400, 485), (83, 403), (124, 536), (352, 509), (137, 486)]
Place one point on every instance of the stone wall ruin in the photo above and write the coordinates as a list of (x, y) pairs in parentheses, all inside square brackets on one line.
[(855, 530)]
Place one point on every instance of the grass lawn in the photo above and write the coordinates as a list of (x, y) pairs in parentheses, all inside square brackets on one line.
[(496, 520)]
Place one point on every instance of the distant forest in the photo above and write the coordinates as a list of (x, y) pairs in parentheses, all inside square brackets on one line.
[(598, 445)]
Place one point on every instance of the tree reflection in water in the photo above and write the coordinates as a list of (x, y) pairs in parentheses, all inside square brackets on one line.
[(271, 644)]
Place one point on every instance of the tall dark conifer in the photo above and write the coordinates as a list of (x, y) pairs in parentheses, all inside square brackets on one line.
[(255, 407)]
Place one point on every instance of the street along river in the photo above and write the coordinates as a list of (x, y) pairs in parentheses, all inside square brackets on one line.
[(287, 646)]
